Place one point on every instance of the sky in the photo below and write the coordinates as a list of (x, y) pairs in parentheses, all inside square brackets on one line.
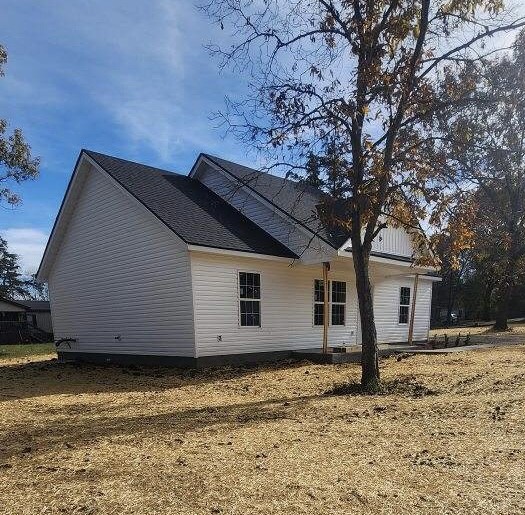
[(130, 78), (124, 77)]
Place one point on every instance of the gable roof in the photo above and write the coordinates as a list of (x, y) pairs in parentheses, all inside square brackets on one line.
[(296, 199), (190, 209)]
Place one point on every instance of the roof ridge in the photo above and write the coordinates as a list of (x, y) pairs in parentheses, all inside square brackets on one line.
[(307, 187), (162, 170)]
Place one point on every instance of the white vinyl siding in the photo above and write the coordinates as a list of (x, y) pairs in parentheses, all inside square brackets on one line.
[(386, 309), (394, 240), (121, 281), (286, 306), (391, 240)]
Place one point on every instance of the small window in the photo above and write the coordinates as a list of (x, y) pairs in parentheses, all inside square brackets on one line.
[(404, 304), (318, 302), (338, 302), (250, 299)]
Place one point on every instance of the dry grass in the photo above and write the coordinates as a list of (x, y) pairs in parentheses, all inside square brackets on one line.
[(264, 440), (516, 328), (26, 350)]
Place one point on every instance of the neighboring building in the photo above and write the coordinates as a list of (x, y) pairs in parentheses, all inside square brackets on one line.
[(25, 321), (222, 264)]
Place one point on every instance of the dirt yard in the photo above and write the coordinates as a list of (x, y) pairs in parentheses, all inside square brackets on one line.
[(515, 328), (264, 440)]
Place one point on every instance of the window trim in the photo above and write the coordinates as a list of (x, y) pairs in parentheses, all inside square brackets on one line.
[(409, 305), (314, 302), (260, 299), (332, 303)]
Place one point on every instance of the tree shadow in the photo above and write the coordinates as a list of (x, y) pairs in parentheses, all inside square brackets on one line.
[(50, 377), (84, 430)]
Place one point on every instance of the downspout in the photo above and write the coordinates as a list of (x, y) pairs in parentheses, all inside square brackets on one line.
[(326, 268), (413, 311)]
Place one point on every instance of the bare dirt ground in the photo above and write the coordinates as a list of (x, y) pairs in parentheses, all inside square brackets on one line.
[(515, 328), (85, 439)]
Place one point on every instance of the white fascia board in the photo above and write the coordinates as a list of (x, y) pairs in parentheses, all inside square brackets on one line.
[(391, 261), (240, 253)]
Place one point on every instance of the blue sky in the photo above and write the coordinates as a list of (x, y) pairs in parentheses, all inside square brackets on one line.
[(129, 78), (126, 77)]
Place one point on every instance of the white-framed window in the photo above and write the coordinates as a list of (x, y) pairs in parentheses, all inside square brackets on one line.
[(336, 300), (404, 304), (249, 299), (318, 302)]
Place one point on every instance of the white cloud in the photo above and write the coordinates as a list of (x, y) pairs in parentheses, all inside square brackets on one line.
[(29, 244), (148, 70)]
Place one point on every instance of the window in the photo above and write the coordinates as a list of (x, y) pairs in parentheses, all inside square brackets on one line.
[(338, 302), (318, 302), (336, 299), (404, 304), (250, 299)]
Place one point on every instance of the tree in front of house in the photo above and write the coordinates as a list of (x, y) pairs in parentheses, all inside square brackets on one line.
[(485, 144), (368, 79)]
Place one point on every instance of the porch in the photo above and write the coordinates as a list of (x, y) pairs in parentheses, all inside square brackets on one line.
[(351, 353)]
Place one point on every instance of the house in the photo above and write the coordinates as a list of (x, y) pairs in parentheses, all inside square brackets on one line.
[(25, 321), (221, 265)]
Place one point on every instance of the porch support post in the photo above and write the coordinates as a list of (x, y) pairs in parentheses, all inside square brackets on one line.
[(413, 311), (326, 268)]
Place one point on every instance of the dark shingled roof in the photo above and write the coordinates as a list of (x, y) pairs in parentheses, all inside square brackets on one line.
[(296, 199), (190, 209), (35, 305), (30, 305)]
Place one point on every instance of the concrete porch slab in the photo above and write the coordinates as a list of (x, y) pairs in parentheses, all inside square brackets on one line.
[(352, 354)]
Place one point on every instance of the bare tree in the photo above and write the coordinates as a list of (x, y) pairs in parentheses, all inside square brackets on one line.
[(369, 77)]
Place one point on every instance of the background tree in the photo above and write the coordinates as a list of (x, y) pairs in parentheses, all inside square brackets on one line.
[(16, 162), (12, 284), (16, 165), (485, 144), (368, 77)]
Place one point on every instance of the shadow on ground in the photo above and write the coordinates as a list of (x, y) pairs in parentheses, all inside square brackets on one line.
[(50, 377), (84, 429)]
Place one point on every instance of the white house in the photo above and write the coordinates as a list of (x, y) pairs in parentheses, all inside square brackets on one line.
[(223, 264)]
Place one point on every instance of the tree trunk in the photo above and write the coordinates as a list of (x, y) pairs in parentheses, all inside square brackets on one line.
[(502, 309), (485, 303), (506, 288), (370, 380), (450, 300)]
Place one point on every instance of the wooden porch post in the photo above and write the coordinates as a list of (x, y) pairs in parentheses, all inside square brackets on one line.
[(326, 268), (413, 311)]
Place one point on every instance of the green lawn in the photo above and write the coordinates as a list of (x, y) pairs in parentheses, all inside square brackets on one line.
[(20, 351)]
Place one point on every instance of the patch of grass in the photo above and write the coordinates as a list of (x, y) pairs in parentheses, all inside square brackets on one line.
[(22, 351)]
